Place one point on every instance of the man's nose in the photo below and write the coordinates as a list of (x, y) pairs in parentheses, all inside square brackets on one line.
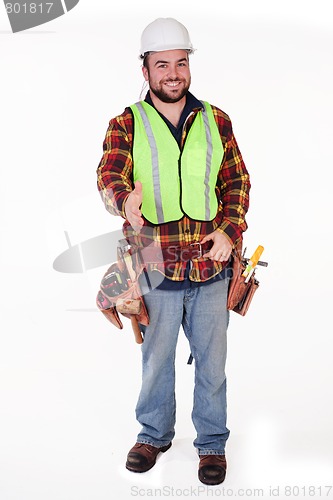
[(173, 72)]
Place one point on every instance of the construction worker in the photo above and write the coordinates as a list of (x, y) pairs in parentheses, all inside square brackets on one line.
[(173, 170)]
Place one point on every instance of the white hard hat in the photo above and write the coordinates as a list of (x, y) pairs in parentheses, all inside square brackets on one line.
[(165, 33)]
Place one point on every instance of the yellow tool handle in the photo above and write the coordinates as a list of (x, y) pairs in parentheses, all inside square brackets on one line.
[(256, 256), (253, 261)]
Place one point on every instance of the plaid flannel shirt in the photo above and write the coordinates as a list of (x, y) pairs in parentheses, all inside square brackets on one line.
[(115, 182)]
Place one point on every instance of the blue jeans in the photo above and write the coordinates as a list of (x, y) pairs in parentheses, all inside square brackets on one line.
[(203, 314)]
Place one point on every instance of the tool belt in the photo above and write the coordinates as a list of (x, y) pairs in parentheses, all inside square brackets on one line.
[(120, 291), (155, 254)]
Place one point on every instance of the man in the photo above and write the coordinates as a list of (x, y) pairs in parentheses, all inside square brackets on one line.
[(172, 168)]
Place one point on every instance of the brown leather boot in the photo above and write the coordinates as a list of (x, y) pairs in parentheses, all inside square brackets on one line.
[(212, 469), (142, 457)]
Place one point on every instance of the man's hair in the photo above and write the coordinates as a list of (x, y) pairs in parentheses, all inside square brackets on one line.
[(145, 58)]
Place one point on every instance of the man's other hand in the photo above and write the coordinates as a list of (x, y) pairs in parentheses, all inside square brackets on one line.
[(221, 248)]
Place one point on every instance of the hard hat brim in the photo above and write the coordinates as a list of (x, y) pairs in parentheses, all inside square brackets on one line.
[(189, 51)]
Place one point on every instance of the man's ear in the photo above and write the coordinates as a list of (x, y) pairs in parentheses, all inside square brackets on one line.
[(145, 73)]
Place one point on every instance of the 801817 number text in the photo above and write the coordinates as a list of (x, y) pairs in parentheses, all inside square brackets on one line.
[(28, 8)]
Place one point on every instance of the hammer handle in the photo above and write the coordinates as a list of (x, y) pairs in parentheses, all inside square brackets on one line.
[(136, 330)]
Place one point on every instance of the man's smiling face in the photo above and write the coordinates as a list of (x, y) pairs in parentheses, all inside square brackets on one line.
[(168, 74)]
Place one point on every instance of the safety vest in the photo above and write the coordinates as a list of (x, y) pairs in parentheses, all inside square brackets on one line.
[(176, 183)]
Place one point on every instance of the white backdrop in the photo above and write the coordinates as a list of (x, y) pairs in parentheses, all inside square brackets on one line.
[(68, 379)]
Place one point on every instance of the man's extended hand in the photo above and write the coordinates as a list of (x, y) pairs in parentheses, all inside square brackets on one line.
[(221, 248), (132, 207)]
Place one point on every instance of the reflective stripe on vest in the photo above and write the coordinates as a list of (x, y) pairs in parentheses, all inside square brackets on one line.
[(159, 164)]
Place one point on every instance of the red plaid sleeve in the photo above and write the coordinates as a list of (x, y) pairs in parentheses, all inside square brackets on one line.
[(234, 181), (114, 171)]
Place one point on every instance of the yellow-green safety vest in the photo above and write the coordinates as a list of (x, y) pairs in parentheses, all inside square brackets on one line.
[(176, 183)]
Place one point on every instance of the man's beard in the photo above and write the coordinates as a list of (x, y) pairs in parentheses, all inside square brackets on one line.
[(164, 97)]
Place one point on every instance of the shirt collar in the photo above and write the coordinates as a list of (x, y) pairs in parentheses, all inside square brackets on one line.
[(192, 104)]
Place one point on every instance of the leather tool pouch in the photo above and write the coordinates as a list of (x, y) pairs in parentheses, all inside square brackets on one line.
[(118, 294), (240, 294)]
